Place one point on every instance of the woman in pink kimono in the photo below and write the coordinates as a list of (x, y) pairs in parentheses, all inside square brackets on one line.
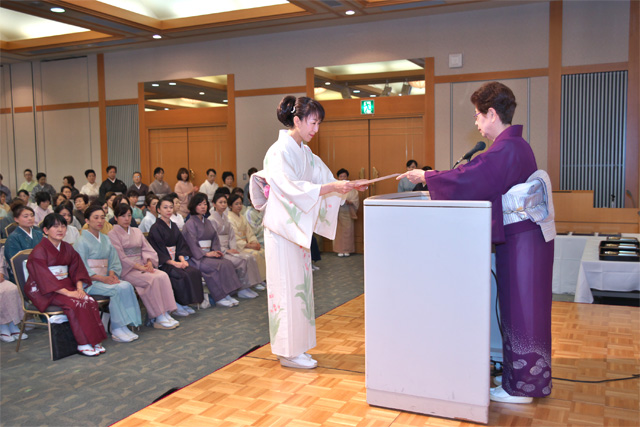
[(139, 262), (299, 196), (345, 242), (185, 191)]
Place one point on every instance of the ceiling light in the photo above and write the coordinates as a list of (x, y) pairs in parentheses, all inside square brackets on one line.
[(225, 100), (406, 89), (172, 83), (155, 84), (373, 96), (386, 91), (350, 12), (57, 10), (157, 36), (356, 91), (327, 83), (418, 84), (201, 93), (346, 94), (166, 108)]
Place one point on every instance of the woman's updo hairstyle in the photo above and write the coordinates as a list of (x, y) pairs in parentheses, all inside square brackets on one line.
[(302, 108)]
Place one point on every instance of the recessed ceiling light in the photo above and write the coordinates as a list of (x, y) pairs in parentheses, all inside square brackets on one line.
[(201, 93), (373, 96), (57, 10), (172, 83), (356, 91), (155, 84), (166, 108), (350, 12), (157, 36), (327, 83), (225, 100)]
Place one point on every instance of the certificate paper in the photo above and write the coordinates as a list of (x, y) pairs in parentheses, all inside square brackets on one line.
[(371, 181)]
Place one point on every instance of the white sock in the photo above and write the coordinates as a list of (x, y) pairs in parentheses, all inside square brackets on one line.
[(13, 328), (162, 318), (4, 329), (85, 347)]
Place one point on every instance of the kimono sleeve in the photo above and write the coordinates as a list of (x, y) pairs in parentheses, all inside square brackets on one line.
[(81, 246), (77, 270), (156, 241), (182, 249), (190, 234), (116, 237), (148, 253), (114, 261)]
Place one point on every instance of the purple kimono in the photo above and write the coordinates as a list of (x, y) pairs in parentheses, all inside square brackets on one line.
[(524, 261)]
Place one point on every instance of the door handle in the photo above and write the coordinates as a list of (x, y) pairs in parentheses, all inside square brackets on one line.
[(193, 175), (374, 175), (361, 173)]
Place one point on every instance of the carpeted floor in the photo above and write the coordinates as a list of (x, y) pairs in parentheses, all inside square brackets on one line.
[(82, 391)]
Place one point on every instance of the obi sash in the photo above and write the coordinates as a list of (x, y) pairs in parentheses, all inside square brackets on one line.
[(205, 245), (531, 200), (60, 271), (172, 252), (99, 266), (133, 252)]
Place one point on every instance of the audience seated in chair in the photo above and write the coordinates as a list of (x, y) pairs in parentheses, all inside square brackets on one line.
[(167, 240), (245, 239), (219, 274), (72, 233), (57, 276), (150, 217), (26, 236), (104, 267), (42, 206), (139, 267), (11, 312)]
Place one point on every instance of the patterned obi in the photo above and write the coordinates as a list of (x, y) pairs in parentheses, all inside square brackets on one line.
[(60, 271), (525, 201), (134, 252), (205, 245), (172, 252), (99, 266)]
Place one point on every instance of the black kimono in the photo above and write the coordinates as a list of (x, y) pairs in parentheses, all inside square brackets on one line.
[(186, 283)]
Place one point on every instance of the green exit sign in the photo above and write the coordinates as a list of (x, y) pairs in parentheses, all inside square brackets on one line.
[(366, 106)]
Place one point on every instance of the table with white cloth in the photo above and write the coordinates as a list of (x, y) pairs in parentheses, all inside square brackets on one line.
[(566, 262), (618, 276)]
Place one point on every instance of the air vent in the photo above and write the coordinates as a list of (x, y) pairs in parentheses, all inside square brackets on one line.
[(332, 3), (411, 5)]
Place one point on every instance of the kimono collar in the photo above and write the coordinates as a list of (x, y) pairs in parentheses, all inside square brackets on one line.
[(97, 238), (284, 134), (57, 247), (113, 182), (511, 131), (30, 233)]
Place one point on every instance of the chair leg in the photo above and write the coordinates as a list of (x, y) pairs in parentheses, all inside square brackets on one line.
[(50, 340), (24, 319)]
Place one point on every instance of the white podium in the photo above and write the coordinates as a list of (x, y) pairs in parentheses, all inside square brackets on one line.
[(427, 305)]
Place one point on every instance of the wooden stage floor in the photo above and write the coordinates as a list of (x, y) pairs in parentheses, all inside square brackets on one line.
[(590, 342)]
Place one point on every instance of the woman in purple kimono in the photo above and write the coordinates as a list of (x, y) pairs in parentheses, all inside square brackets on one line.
[(219, 274), (524, 259)]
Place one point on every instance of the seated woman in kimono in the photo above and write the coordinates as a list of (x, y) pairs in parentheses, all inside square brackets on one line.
[(219, 274), (66, 209), (11, 312), (138, 267), (152, 215), (173, 252), (107, 227), (246, 241), (109, 198), (245, 264), (133, 197), (81, 203), (345, 242), (104, 267), (42, 206), (26, 236), (254, 218), (57, 276), (121, 198), (176, 217), (185, 191)]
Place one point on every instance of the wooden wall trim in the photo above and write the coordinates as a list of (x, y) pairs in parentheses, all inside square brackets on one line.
[(595, 68), (387, 107), (5, 110), (311, 78), (271, 91), (231, 121), (492, 75), (102, 113), (632, 163), (429, 116), (17, 110), (555, 92), (69, 106), (186, 117), (119, 102), (145, 167)]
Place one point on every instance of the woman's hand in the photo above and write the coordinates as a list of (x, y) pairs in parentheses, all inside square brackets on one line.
[(342, 187), (214, 254), (254, 245), (149, 266), (416, 176), (232, 251)]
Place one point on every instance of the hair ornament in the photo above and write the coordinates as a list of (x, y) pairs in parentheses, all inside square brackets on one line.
[(293, 110)]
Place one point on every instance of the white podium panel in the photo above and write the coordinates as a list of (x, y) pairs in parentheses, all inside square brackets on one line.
[(427, 305)]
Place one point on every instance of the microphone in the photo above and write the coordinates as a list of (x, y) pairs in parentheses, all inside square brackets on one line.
[(480, 145)]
